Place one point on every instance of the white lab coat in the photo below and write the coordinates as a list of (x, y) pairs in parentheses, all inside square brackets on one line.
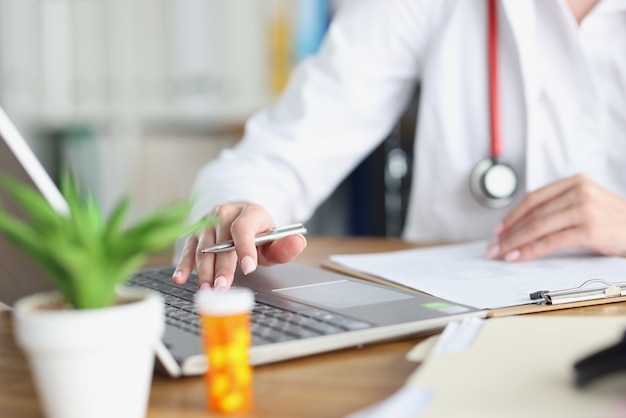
[(341, 103)]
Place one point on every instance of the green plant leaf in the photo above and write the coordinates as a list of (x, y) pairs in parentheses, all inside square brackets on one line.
[(25, 238), (116, 219), (34, 205), (85, 254)]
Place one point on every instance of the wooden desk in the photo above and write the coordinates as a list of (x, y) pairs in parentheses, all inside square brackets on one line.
[(326, 385)]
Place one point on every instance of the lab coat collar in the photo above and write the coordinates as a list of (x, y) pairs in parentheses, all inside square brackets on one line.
[(610, 6), (520, 16)]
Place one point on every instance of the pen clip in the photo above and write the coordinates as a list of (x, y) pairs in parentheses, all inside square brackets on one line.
[(284, 228), (580, 293), (278, 232)]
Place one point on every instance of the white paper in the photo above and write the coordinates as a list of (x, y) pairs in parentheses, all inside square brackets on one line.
[(458, 336), (409, 401), (461, 273)]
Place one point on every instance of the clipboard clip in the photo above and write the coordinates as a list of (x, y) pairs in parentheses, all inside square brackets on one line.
[(581, 293)]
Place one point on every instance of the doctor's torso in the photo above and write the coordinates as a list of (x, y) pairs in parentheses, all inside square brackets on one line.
[(562, 95), (563, 108)]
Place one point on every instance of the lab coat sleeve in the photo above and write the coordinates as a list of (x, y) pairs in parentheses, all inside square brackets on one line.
[(337, 108)]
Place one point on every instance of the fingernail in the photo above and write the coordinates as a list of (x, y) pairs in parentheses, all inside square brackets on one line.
[(220, 283), (498, 229), (303, 239), (247, 265), (176, 275), (493, 249), (205, 286), (512, 256)]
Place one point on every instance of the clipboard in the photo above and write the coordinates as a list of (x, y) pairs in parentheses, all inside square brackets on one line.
[(584, 292), (575, 297), (588, 293)]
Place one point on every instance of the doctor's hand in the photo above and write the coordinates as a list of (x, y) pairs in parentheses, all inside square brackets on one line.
[(241, 222), (574, 212)]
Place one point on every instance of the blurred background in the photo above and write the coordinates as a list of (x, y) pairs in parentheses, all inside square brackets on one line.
[(136, 95)]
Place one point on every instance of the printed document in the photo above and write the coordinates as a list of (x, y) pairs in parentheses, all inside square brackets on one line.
[(461, 273)]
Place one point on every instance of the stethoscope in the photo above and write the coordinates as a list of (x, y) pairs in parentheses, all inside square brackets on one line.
[(492, 181)]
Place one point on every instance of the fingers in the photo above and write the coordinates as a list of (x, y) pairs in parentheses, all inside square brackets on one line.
[(560, 240), (551, 217), (536, 199), (205, 262), (245, 222), (283, 250), (186, 262), (239, 222), (571, 213), (536, 225)]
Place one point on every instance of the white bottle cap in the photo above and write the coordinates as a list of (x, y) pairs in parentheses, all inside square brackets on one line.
[(234, 301)]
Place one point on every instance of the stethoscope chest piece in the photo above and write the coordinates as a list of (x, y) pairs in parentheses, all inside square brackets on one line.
[(493, 183)]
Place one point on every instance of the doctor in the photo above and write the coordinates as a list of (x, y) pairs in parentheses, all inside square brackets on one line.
[(521, 130)]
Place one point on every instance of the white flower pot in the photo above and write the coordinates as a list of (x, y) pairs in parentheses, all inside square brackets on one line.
[(91, 363)]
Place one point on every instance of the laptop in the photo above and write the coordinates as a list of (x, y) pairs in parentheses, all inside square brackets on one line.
[(299, 310)]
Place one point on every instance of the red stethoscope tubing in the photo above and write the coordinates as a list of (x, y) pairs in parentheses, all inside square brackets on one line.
[(494, 85)]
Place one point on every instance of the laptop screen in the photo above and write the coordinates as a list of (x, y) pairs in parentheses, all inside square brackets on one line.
[(19, 275)]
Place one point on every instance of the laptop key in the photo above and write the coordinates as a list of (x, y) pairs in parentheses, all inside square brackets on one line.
[(269, 323), (322, 327)]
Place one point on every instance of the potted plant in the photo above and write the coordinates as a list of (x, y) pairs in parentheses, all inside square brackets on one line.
[(90, 343)]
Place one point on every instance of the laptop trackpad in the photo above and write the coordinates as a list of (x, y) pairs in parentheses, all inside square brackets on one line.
[(342, 294)]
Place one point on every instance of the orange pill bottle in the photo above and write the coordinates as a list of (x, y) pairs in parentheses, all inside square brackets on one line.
[(227, 339)]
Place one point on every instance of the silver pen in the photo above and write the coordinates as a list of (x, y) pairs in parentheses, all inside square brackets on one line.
[(272, 234)]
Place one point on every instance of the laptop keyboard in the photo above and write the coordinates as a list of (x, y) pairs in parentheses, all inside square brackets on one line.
[(270, 324)]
